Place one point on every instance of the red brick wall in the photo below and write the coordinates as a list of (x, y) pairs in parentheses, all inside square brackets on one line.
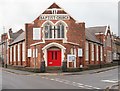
[(75, 34)]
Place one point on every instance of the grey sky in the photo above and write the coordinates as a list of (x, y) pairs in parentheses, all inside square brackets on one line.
[(15, 13)]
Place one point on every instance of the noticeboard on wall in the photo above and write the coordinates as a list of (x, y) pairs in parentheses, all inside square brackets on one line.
[(80, 52), (70, 57)]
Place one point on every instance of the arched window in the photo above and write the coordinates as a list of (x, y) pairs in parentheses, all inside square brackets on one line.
[(60, 30), (48, 30), (54, 31)]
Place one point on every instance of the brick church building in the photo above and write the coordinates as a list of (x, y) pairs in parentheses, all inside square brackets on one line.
[(55, 37)]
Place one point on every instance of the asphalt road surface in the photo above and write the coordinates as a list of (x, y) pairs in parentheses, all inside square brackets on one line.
[(86, 81)]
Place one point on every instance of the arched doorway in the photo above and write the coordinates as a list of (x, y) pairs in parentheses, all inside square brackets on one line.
[(54, 56)]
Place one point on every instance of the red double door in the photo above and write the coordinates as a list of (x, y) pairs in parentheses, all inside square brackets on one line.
[(54, 57)]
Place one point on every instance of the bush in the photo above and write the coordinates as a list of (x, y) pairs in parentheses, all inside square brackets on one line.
[(64, 66), (42, 68)]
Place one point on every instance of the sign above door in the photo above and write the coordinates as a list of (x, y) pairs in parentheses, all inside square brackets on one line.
[(54, 17)]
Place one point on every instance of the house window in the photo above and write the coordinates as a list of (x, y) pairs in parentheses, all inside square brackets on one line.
[(97, 58), (92, 50), (101, 53), (10, 54), (114, 55), (72, 51), (109, 56), (87, 51), (29, 52), (54, 32), (36, 34), (60, 33), (48, 30), (23, 51), (35, 53), (18, 52), (108, 41), (14, 52)]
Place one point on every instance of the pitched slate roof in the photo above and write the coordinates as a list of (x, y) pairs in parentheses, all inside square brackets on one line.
[(91, 37), (97, 29), (16, 34), (21, 37), (91, 31)]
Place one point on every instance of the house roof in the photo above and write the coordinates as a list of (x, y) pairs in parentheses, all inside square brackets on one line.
[(21, 37), (16, 34), (97, 29), (54, 5), (92, 31), (0, 43), (91, 37)]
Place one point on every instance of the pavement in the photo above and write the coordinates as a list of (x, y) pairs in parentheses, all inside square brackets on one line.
[(115, 86), (18, 72)]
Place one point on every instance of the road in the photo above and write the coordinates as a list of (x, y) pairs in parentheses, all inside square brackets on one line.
[(86, 81)]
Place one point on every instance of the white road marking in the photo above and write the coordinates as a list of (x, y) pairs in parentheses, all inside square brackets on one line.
[(110, 81), (52, 79), (43, 77), (80, 85)]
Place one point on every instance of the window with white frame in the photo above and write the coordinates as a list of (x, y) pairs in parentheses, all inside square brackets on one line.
[(34, 52), (101, 53), (10, 54), (114, 55), (97, 57), (109, 56), (54, 32), (29, 52), (75, 52), (60, 31), (14, 52), (92, 51), (36, 33), (48, 30), (108, 41), (87, 51), (71, 51), (18, 52), (23, 51)]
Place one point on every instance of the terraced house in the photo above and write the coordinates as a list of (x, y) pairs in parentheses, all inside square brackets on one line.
[(55, 37)]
